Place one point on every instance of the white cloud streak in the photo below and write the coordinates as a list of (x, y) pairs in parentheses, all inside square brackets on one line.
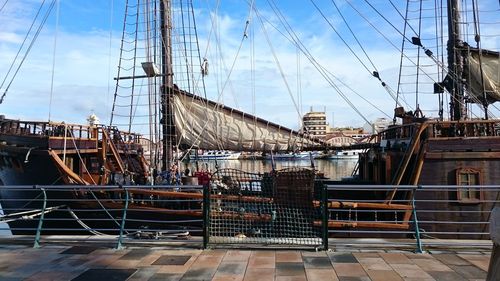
[(81, 74)]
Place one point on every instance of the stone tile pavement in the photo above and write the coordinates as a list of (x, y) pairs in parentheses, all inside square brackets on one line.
[(78, 263)]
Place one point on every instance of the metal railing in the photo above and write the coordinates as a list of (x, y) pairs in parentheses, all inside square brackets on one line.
[(427, 215), (118, 213), (418, 217)]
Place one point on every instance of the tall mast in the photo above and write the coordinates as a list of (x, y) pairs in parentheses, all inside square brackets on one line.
[(167, 117), (455, 62)]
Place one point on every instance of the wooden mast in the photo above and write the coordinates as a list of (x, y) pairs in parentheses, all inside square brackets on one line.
[(455, 63), (167, 117)]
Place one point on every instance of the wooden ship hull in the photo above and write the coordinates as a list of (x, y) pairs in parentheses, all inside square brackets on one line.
[(47, 154), (438, 154)]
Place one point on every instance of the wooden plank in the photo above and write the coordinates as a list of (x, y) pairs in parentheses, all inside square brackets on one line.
[(363, 205), (462, 155), (193, 195), (354, 224)]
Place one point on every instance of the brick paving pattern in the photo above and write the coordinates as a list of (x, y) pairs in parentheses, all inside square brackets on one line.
[(154, 263)]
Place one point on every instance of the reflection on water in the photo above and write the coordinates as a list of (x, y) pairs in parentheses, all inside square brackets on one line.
[(4, 228), (333, 169)]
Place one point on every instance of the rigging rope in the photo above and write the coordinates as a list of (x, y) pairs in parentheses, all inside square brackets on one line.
[(22, 46), (279, 65), (295, 39), (54, 58), (3, 6), (111, 10)]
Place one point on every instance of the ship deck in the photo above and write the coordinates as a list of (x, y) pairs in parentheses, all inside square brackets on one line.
[(84, 258)]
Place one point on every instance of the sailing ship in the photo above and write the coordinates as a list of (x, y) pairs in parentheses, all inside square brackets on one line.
[(179, 116), (462, 150), (57, 153)]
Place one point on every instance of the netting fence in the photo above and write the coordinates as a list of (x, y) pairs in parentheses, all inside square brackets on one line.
[(275, 208)]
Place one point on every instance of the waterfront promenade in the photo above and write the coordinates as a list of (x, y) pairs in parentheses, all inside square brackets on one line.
[(88, 261)]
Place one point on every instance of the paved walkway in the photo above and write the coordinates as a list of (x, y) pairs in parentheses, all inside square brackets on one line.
[(18, 262)]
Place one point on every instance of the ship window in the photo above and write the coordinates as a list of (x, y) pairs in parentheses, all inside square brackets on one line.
[(93, 165), (468, 177)]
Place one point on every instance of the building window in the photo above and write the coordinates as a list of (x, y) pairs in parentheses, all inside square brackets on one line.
[(466, 177)]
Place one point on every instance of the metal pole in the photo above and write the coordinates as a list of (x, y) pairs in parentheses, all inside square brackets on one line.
[(206, 215), (122, 225), (40, 221), (455, 62), (167, 120), (415, 222), (325, 213)]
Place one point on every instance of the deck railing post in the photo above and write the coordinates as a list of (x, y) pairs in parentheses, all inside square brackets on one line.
[(40, 221), (415, 221), (325, 215), (206, 215), (124, 218)]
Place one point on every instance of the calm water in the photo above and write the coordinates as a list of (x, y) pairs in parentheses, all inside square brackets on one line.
[(4, 228), (333, 169)]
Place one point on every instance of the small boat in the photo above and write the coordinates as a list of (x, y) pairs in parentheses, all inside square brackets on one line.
[(288, 156), (217, 154), (348, 154)]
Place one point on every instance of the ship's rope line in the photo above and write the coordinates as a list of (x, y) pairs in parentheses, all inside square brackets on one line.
[(201, 76), (404, 18), (117, 84), (266, 35), (231, 69), (3, 5), (321, 69), (84, 225), (389, 22), (217, 106), (131, 118), (33, 40), (28, 215), (88, 173), (417, 78), (340, 36), (352, 33), (110, 48), (52, 76), (477, 37), (440, 64), (22, 44), (80, 157), (401, 59), (189, 71), (295, 39), (389, 41), (432, 57), (438, 13), (375, 74)]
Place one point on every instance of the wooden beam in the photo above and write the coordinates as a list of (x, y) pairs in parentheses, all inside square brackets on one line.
[(355, 224), (65, 170)]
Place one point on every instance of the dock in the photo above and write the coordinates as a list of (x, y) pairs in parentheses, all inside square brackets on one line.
[(88, 260)]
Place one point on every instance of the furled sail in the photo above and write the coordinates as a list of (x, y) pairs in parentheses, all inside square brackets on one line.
[(489, 81), (208, 125)]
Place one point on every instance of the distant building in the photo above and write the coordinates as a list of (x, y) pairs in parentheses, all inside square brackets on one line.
[(346, 136), (314, 123), (378, 125)]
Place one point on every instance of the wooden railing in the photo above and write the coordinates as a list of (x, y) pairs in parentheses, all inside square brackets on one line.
[(444, 129)]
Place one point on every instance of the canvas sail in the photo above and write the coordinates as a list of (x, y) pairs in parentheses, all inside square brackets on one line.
[(489, 81), (204, 124)]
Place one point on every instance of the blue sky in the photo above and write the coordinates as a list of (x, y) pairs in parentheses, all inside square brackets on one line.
[(85, 63)]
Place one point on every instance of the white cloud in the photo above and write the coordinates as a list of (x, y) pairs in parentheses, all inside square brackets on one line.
[(81, 74)]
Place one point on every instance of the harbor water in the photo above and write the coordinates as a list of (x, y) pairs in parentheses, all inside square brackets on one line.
[(332, 169)]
